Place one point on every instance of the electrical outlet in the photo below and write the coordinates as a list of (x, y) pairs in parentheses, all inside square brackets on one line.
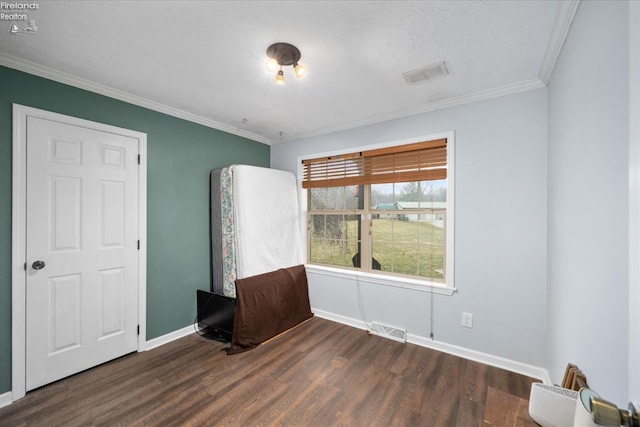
[(467, 320)]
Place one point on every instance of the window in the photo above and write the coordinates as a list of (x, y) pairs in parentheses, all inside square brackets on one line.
[(387, 211)]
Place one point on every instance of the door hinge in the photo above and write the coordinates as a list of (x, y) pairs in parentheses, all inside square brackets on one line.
[(25, 266), (138, 158), (138, 329), (138, 244)]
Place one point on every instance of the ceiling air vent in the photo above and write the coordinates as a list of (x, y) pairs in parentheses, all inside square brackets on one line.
[(425, 73)]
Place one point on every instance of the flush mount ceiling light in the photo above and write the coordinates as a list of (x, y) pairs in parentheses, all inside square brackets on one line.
[(282, 55)]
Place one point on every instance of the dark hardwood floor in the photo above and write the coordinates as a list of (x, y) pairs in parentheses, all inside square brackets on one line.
[(319, 374)]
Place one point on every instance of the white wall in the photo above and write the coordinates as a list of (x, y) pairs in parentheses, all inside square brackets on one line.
[(501, 203), (588, 124), (634, 203)]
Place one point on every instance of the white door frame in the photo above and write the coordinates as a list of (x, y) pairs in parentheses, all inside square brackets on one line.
[(19, 232)]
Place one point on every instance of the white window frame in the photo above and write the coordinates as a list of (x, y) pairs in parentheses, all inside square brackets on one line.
[(388, 279)]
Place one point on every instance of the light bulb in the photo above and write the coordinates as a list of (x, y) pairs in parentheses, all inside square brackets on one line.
[(279, 78), (299, 70), (272, 65)]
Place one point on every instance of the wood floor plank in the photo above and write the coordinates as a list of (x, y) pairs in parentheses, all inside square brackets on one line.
[(319, 374), (504, 410), (470, 414)]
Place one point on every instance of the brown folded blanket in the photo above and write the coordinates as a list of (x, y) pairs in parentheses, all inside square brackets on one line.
[(267, 305)]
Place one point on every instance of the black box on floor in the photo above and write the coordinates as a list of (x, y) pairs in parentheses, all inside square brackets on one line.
[(215, 315)]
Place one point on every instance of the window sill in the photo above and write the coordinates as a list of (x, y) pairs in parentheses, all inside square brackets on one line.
[(378, 279)]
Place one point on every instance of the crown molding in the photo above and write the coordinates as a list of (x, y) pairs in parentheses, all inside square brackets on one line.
[(455, 101), (560, 30), (68, 79), (562, 25)]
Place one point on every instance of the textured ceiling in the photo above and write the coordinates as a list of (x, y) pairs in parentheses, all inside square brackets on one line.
[(205, 60)]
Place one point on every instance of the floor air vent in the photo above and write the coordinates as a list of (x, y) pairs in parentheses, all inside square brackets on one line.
[(390, 332)]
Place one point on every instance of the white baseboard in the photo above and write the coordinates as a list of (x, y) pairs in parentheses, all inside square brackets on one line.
[(5, 399), (499, 362), (340, 319), (171, 336), (488, 359), (477, 356)]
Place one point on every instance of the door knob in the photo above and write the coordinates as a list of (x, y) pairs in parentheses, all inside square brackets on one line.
[(38, 265)]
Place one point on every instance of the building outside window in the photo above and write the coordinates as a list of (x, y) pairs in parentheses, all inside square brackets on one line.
[(385, 211)]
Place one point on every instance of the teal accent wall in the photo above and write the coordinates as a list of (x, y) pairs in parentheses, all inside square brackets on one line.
[(180, 156)]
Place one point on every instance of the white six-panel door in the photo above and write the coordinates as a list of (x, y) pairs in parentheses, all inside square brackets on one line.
[(82, 226)]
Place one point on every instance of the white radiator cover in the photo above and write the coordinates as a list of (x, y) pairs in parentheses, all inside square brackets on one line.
[(552, 406)]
